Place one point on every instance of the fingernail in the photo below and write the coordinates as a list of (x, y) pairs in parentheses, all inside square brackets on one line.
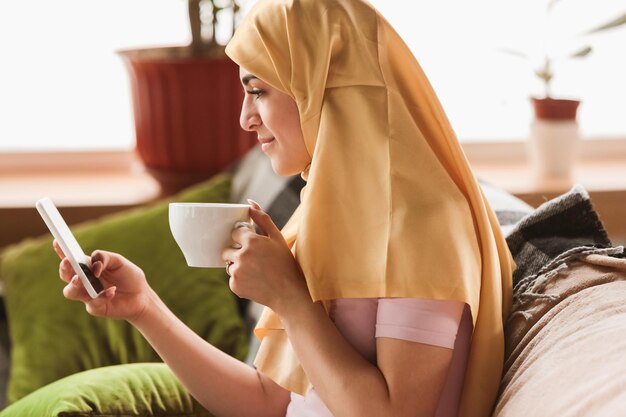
[(254, 204), (97, 269), (74, 280)]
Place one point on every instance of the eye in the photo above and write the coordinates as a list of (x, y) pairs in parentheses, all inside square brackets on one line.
[(255, 92)]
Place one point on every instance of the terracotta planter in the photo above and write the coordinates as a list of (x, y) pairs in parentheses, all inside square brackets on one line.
[(555, 109), (186, 112)]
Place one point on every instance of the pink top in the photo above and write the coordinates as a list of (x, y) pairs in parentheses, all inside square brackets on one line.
[(360, 320)]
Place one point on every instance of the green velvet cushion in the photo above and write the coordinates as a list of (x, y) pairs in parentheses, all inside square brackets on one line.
[(140, 389), (52, 337)]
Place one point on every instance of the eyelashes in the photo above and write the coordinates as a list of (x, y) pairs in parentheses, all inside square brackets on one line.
[(255, 92)]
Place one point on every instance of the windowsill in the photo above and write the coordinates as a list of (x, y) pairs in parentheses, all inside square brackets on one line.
[(111, 178), (89, 184), (118, 178), (600, 166), (83, 185), (517, 177)]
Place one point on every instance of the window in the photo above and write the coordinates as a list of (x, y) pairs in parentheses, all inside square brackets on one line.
[(484, 91), (62, 87)]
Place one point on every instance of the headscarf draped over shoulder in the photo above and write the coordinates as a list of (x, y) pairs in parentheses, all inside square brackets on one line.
[(391, 207)]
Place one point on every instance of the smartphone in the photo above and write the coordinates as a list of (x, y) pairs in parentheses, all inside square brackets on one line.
[(80, 262)]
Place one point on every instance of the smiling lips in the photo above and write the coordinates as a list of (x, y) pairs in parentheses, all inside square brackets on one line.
[(265, 143)]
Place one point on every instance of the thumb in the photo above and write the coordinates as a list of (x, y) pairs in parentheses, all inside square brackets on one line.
[(264, 221), (103, 260)]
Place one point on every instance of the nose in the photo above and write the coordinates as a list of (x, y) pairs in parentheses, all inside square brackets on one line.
[(249, 118)]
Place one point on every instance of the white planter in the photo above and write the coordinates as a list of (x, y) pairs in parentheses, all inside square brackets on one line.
[(553, 147)]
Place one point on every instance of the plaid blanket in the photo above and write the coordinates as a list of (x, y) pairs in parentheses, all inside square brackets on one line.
[(567, 224)]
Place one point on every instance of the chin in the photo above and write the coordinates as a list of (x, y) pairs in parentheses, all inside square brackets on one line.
[(284, 171)]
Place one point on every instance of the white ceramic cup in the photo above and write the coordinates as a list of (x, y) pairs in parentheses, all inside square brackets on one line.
[(203, 230)]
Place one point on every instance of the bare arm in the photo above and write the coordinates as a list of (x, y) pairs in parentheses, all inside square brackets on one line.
[(407, 381), (221, 383)]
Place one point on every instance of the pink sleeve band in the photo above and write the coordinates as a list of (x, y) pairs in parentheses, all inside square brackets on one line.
[(433, 322)]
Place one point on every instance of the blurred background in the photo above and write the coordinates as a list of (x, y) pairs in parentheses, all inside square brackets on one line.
[(67, 127), (60, 76)]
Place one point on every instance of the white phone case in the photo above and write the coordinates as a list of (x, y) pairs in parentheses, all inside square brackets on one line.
[(80, 262)]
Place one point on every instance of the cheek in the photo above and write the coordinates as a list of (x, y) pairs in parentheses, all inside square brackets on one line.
[(296, 139), (278, 123)]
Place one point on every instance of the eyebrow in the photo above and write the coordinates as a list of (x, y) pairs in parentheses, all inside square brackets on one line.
[(246, 79)]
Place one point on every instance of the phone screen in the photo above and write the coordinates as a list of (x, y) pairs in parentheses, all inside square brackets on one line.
[(95, 282)]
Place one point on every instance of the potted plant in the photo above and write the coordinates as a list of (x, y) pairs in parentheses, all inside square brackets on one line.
[(550, 107), (187, 100), (554, 134)]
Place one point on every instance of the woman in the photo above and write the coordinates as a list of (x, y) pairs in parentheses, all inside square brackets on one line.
[(386, 291)]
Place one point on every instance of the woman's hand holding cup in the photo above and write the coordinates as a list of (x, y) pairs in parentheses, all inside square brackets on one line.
[(262, 267)]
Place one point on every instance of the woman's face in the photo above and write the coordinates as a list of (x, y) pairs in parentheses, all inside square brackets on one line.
[(274, 116)]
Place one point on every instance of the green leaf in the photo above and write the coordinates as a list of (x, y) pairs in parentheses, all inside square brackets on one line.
[(545, 75), (582, 52), (610, 25)]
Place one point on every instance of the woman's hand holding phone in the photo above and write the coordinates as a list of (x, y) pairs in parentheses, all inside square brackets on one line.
[(126, 294)]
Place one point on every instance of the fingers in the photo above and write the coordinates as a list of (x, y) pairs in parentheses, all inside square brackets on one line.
[(254, 204), (100, 260), (66, 272), (231, 266), (97, 267), (107, 260), (75, 290), (246, 225), (229, 255), (264, 221), (240, 235), (58, 249), (99, 306)]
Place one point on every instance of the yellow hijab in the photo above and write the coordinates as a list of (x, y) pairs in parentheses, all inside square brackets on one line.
[(391, 207)]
